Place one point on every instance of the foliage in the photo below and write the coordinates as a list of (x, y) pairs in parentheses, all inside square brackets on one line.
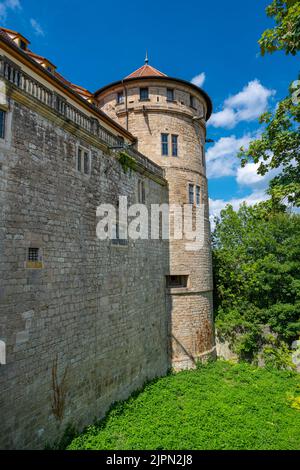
[(277, 355), (294, 399), (126, 161), (217, 406), (279, 144), (279, 147), (256, 276), (286, 34)]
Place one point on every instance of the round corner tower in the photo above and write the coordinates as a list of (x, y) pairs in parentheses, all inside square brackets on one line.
[(168, 117)]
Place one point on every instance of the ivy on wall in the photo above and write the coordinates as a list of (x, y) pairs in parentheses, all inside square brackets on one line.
[(126, 161)]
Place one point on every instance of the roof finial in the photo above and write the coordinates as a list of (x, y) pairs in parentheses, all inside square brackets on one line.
[(146, 58)]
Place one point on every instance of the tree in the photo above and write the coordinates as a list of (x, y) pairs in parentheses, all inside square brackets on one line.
[(256, 274), (286, 34), (279, 144)]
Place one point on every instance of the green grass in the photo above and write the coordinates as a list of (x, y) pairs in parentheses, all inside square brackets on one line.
[(218, 406)]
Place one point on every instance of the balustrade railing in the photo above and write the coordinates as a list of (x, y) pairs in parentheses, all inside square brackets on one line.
[(15, 75)]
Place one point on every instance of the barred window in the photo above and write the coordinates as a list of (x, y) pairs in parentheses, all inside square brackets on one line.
[(33, 254)]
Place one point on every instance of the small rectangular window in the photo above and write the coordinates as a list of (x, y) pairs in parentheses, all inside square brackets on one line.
[(79, 159), (203, 156), (164, 144), (2, 124), (198, 195), (170, 94), (178, 281), (119, 239), (33, 254), (144, 94), (83, 164), (120, 97), (174, 145), (141, 192), (192, 101), (191, 194), (86, 163)]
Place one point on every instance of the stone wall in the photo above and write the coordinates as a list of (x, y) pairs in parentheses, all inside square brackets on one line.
[(99, 309)]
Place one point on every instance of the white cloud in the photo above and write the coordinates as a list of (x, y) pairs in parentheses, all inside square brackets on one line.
[(247, 105), (7, 5), (222, 157), (37, 27), (216, 205), (199, 79), (247, 176)]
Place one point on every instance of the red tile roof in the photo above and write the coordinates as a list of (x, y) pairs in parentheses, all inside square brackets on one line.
[(146, 71)]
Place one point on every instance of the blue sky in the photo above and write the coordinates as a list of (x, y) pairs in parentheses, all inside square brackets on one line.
[(96, 42)]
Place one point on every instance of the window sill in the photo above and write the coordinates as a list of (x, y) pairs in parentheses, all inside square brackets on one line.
[(116, 244), (177, 290)]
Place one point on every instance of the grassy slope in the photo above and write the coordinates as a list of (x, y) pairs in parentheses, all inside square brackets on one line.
[(219, 406)]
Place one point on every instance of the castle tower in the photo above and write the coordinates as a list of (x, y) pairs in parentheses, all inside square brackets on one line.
[(168, 116)]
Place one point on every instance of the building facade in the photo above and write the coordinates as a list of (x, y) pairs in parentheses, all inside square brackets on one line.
[(84, 321)]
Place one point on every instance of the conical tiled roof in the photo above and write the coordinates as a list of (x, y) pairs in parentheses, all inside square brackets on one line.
[(146, 71)]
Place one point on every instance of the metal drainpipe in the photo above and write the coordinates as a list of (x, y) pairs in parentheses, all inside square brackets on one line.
[(126, 108)]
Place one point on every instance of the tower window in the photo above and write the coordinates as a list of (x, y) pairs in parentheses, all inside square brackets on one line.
[(2, 124), (203, 156), (198, 195), (191, 194), (120, 97), (33, 254), (164, 144), (174, 145), (170, 94), (144, 94), (177, 281), (192, 101)]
